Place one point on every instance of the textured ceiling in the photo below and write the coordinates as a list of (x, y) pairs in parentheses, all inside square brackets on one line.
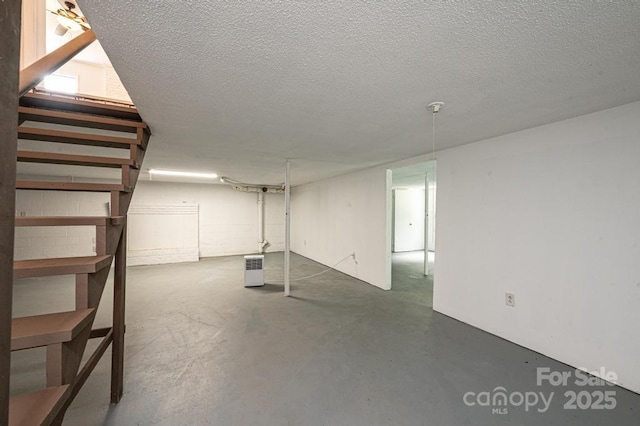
[(237, 87)]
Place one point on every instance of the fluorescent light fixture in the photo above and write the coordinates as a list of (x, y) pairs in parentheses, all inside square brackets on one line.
[(183, 174)]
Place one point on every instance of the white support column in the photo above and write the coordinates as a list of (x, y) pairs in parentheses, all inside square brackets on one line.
[(287, 231), (430, 204), (426, 224), (388, 226), (261, 242)]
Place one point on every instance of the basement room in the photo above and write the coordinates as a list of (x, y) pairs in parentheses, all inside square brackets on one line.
[(319, 213)]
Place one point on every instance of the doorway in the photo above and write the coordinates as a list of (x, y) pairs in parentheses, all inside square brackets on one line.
[(412, 257)]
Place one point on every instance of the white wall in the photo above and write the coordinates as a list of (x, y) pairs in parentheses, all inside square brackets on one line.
[(162, 233), (32, 33), (228, 219), (95, 79), (114, 89), (91, 77), (431, 212), (333, 218), (57, 241), (552, 215)]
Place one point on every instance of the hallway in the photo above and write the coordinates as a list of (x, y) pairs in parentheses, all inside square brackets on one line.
[(407, 275)]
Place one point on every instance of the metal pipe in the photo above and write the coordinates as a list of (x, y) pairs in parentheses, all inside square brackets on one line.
[(261, 241), (287, 230)]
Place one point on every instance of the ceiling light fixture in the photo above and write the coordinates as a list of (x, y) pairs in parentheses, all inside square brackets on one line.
[(68, 20), (183, 174)]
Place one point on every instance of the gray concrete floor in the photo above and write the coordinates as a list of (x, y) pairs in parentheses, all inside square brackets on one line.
[(407, 275), (201, 349)]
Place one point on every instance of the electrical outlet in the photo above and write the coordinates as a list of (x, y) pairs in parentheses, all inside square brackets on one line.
[(510, 299)]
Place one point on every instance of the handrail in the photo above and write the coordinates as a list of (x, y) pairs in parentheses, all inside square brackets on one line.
[(31, 76), (83, 97)]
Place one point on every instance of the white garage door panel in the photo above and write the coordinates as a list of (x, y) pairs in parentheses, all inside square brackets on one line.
[(162, 233)]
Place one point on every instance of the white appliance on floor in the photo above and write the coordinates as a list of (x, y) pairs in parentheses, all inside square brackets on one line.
[(254, 270)]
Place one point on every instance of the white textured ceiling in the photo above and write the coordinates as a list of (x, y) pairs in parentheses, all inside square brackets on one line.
[(237, 87)]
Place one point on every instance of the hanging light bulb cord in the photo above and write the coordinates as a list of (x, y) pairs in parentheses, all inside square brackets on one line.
[(435, 108), (433, 135)]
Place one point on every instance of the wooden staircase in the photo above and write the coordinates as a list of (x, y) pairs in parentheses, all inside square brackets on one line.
[(65, 334)]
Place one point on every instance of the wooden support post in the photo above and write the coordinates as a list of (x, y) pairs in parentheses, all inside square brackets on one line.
[(116, 203), (126, 176), (101, 240), (83, 375), (120, 202), (119, 290), (136, 154), (10, 17), (89, 288), (91, 363), (63, 359)]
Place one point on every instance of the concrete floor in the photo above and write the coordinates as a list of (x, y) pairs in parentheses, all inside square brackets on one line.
[(407, 275), (203, 350)]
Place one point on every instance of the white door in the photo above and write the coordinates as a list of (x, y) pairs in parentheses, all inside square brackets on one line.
[(409, 219)]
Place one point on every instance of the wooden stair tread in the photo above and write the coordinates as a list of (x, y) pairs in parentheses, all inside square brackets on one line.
[(79, 119), (71, 186), (73, 160), (63, 136), (62, 103), (68, 220), (42, 330), (60, 266), (37, 408)]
